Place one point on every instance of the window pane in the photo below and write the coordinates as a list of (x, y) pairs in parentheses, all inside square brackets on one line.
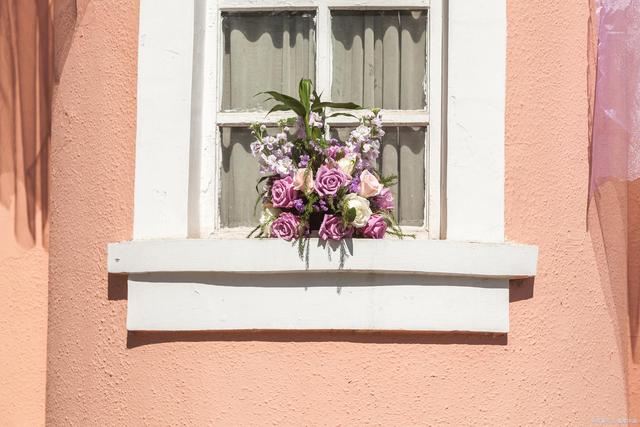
[(403, 154), (238, 178), (379, 58), (265, 51)]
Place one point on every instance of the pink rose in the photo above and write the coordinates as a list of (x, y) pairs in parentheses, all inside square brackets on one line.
[(286, 226), (376, 227), (303, 180), (282, 193), (369, 185), (384, 200), (329, 181), (333, 229)]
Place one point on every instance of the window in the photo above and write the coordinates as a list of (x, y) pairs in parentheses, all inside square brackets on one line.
[(353, 51), (179, 279)]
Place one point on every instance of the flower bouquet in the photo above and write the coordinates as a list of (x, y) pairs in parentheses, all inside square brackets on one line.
[(315, 184)]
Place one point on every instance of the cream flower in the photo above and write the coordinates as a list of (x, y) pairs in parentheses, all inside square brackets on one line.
[(369, 185), (268, 216), (346, 165), (361, 207), (303, 180)]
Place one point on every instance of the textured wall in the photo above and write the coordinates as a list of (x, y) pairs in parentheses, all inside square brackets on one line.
[(25, 94), (23, 327), (560, 364)]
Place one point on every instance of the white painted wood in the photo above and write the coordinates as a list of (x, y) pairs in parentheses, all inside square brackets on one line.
[(223, 301), (165, 60), (436, 257), (433, 161), (203, 199), (268, 5), (389, 118), (477, 73), (324, 54), (378, 4)]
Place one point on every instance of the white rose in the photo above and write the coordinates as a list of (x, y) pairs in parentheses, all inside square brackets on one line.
[(361, 206), (346, 165), (267, 217)]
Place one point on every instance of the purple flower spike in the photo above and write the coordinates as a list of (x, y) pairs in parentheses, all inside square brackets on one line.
[(298, 204)]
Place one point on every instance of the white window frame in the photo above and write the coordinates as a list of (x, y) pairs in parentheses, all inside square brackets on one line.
[(428, 118), (179, 281)]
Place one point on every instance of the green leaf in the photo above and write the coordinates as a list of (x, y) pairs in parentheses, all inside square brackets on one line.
[(253, 231), (350, 215), (345, 105), (316, 100), (279, 107), (343, 114), (287, 100), (331, 203), (261, 180), (304, 90)]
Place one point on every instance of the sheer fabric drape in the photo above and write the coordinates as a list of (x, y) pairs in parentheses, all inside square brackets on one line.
[(265, 52), (379, 60), (262, 51)]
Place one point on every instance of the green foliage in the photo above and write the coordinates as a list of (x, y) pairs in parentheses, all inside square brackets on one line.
[(344, 105), (343, 114), (308, 208), (304, 106), (393, 226), (350, 215), (304, 90), (388, 180)]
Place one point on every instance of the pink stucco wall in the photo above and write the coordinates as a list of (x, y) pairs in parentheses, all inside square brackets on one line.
[(23, 327), (25, 48), (562, 362)]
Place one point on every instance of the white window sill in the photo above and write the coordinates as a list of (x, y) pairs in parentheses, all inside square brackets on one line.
[(411, 285), (431, 257)]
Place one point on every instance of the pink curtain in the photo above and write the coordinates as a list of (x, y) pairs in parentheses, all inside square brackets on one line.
[(616, 130), (615, 171)]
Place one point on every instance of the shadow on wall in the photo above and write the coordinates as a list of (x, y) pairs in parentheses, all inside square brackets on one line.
[(614, 224), (25, 114), (142, 338), (29, 61)]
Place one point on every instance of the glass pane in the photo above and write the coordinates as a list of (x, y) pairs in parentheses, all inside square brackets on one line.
[(265, 51), (403, 154), (238, 178), (379, 58)]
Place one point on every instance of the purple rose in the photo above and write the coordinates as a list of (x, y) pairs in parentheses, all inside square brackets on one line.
[(384, 200), (329, 181), (333, 229), (376, 227), (282, 193), (286, 226)]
